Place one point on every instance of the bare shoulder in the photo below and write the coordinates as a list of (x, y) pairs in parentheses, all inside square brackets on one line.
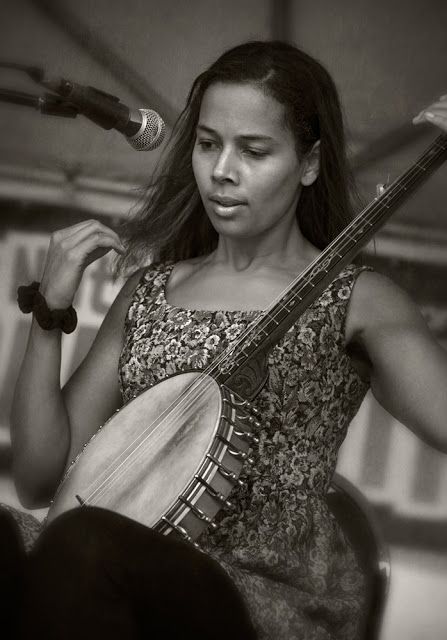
[(377, 302), (126, 292), (130, 285), (113, 323)]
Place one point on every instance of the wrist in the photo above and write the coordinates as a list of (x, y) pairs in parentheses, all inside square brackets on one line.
[(53, 299), (31, 300)]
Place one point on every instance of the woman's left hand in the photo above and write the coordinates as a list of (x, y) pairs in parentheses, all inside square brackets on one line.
[(435, 113)]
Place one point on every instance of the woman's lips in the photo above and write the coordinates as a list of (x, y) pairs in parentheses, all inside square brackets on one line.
[(226, 207), (226, 201)]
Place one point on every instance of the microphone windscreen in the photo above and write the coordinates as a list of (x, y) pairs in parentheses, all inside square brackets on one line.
[(151, 133)]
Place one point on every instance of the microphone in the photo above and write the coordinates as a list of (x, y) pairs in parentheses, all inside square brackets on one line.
[(143, 129)]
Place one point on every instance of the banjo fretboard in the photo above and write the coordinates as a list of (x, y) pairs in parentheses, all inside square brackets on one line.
[(243, 367)]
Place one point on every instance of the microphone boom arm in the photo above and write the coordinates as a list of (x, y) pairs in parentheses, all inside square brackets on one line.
[(47, 104)]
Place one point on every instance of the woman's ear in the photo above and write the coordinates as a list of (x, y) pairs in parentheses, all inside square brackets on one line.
[(311, 165)]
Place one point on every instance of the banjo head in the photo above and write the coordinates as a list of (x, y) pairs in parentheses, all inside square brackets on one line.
[(145, 456)]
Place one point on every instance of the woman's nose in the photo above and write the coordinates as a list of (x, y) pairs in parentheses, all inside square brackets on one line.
[(225, 167)]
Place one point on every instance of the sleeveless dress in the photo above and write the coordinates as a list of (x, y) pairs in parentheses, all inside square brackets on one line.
[(280, 544)]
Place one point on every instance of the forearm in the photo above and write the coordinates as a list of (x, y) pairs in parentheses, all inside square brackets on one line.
[(41, 428), (40, 432)]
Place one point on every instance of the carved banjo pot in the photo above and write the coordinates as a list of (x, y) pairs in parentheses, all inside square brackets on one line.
[(171, 456)]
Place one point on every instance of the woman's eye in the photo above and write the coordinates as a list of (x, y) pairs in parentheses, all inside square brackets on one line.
[(206, 145), (255, 153)]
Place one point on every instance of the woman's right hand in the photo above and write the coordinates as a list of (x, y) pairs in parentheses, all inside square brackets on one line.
[(71, 250)]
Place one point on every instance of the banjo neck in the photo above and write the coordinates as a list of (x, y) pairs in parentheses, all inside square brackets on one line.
[(244, 367)]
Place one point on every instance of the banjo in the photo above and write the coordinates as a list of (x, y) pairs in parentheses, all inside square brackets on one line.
[(170, 457)]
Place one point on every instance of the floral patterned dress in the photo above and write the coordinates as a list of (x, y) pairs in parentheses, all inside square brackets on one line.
[(280, 544)]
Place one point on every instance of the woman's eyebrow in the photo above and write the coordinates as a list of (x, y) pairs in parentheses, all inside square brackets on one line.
[(247, 136)]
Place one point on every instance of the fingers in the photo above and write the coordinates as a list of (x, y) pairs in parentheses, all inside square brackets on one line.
[(86, 247), (436, 113), (90, 230), (66, 232), (71, 251)]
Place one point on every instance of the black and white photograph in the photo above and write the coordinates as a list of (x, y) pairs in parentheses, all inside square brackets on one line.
[(223, 320)]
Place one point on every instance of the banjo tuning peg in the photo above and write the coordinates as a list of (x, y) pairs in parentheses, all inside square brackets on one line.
[(382, 186)]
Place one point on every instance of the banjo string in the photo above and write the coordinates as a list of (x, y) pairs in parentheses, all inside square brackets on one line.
[(138, 452)]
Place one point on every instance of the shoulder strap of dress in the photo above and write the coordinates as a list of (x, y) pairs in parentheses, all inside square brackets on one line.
[(152, 276), (147, 289), (340, 294), (348, 276)]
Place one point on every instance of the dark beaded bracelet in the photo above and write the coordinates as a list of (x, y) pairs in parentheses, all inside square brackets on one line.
[(31, 300)]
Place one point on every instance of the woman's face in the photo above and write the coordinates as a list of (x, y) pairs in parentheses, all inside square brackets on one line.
[(245, 161)]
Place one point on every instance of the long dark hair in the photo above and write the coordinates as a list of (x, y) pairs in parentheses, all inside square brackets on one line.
[(172, 223)]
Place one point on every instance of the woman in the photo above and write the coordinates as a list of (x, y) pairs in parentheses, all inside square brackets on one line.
[(255, 185)]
